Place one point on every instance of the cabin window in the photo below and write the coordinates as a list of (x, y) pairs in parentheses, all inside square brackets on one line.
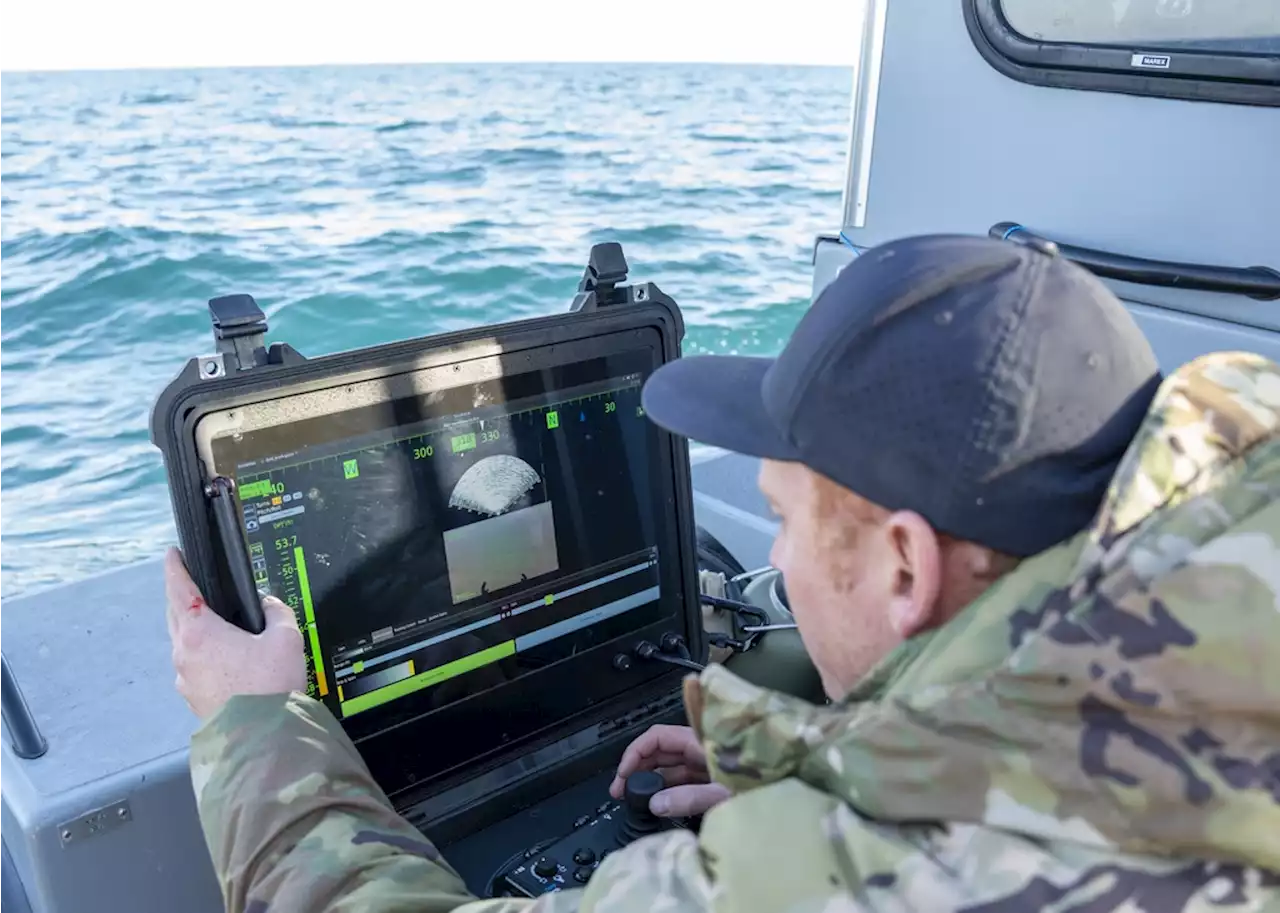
[(1210, 50)]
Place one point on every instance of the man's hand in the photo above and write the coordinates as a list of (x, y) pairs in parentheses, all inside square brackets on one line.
[(216, 660), (674, 752)]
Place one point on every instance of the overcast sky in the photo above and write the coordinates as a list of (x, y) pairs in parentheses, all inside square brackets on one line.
[(114, 34)]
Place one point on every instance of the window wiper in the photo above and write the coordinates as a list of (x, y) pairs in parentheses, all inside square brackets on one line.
[(1260, 282)]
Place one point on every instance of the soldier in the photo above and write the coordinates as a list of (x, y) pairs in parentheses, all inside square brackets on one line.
[(1040, 587)]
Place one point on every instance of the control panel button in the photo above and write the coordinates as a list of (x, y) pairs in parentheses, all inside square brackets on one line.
[(584, 856), (545, 867), (582, 822), (581, 874), (604, 808)]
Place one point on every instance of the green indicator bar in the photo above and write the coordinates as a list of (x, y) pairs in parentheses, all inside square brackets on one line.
[(464, 442), (553, 419), (350, 469), (300, 562), (308, 611), (260, 489), (428, 678), (322, 684)]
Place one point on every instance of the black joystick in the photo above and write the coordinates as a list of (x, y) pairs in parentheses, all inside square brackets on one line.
[(638, 820)]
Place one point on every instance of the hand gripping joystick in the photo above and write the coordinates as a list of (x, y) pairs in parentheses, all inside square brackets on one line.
[(639, 821)]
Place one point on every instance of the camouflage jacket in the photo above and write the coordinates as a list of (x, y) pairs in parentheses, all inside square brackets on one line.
[(1099, 732)]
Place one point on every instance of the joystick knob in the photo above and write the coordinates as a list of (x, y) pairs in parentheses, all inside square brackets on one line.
[(545, 868), (640, 788), (638, 820)]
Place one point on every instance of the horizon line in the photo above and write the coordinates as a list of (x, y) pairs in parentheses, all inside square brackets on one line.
[(170, 68)]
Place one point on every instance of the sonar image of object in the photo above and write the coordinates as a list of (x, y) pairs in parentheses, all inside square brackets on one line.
[(494, 485)]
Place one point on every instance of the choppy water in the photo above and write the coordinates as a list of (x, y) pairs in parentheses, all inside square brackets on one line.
[(361, 205)]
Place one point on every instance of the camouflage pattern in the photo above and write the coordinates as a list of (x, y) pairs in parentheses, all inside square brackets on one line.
[(1099, 732)]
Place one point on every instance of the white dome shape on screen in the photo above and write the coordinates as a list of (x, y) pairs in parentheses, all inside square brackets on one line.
[(494, 485)]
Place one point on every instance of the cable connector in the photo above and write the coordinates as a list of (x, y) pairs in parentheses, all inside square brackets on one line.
[(725, 642), (649, 651)]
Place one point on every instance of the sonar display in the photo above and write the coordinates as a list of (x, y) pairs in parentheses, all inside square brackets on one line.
[(517, 541), (494, 485), (505, 526)]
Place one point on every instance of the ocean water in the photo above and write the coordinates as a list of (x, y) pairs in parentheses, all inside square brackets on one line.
[(359, 206)]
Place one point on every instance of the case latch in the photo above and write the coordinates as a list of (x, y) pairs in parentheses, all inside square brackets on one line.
[(240, 333)]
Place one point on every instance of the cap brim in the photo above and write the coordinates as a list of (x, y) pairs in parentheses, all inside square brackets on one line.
[(716, 400)]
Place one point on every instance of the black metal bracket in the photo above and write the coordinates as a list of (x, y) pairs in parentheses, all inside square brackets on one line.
[(602, 282), (239, 329), (221, 494), (24, 734), (239, 335)]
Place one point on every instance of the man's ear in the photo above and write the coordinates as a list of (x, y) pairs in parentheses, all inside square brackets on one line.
[(916, 583)]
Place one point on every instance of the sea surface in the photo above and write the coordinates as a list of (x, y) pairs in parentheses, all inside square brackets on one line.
[(359, 206)]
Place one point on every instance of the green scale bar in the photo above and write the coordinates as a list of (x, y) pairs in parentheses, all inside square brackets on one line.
[(428, 678), (300, 562)]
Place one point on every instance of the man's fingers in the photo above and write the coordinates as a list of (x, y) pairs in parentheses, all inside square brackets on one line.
[(679, 801), (177, 580), (673, 769), (659, 746), (677, 743), (662, 760), (277, 615), (180, 591), (174, 570), (682, 774)]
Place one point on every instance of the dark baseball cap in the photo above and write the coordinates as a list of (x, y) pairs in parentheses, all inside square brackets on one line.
[(988, 386)]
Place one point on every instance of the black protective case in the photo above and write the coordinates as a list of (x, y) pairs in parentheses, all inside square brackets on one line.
[(602, 306)]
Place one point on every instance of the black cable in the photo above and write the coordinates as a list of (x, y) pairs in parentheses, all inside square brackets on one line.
[(755, 615), (673, 644), (724, 641), (677, 661), (649, 651)]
